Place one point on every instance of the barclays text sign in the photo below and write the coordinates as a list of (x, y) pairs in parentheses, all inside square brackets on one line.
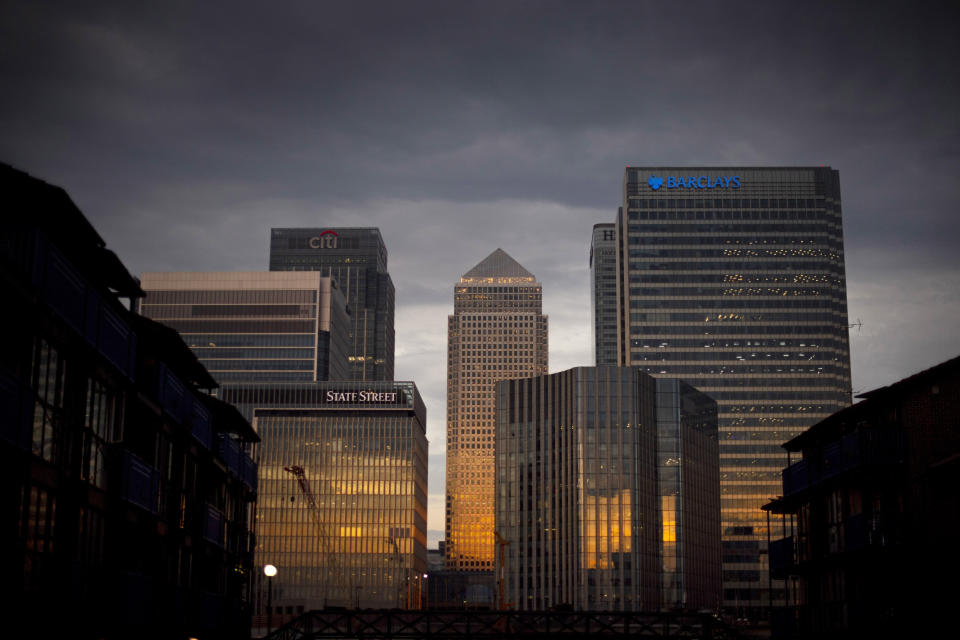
[(695, 182)]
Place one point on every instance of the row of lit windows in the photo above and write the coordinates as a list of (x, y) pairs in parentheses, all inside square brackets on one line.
[(686, 241), (751, 229), (196, 341), (498, 296), (254, 353), (717, 293), (748, 264), (465, 287), (732, 252), (811, 343), (740, 304), (251, 365), (724, 276), (726, 354), (492, 324), (784, 330), (765, 318), (726, 203)]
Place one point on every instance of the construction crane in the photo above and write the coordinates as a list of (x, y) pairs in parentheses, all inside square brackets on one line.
[(330, 559), (396, 566)]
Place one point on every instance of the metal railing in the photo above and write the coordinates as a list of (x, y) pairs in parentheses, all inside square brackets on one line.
[(441, 624)]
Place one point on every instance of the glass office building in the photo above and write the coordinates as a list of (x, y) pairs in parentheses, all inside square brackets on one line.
[(496, 332), (603, 293), (357, 536), (733, 280), (357, 259), (607, 492), (255, 326), (688, 481)]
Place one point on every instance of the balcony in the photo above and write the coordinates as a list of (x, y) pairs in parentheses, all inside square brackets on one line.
[(213, 525), (866, 447), (781, 557), (228, 450), (795, 478), (238, 463), (248, 472), (140, 483)]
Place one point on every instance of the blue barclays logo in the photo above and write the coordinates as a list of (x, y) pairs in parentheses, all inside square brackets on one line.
[(696, 182)]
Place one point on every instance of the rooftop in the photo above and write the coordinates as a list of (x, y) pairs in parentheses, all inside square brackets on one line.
[(498, 264)]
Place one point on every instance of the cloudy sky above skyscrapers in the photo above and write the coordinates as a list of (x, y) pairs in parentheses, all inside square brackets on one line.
[(184, 131)]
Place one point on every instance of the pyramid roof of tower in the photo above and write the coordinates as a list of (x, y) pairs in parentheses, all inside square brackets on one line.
[(498, 264)]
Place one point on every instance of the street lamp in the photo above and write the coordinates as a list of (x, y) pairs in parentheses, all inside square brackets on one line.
[(269, 571)]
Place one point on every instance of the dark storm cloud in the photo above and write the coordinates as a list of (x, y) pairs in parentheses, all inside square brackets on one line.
[(468, 101), (209, 117)]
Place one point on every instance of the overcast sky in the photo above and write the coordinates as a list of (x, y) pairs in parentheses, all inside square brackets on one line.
[(185, 131)]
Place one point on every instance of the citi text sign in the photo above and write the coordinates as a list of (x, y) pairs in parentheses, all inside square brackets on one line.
[(695, 182), (326, 240)]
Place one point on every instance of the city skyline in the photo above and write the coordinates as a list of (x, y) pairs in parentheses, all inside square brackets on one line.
[(456, 129)]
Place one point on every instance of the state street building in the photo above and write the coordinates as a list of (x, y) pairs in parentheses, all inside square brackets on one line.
[(342, 511), (497, 331), (732, 279)]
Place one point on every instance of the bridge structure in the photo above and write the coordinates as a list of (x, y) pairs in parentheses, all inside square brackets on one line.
[(435, 624)]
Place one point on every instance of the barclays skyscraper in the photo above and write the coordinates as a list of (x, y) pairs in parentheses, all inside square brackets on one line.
[(733, 280)]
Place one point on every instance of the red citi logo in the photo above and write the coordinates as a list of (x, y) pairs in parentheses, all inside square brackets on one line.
[(326, 240)]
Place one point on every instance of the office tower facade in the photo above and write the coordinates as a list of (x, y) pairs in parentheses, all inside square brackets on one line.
[(608, 492), (255, 326), (126, 490), (497, 331), (357, 536), (357, 259), (688, 488), (733, 280), (603, 293)]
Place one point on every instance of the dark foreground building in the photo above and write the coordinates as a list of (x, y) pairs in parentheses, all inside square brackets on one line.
[(608, 493), (865, 533), (126, 492)]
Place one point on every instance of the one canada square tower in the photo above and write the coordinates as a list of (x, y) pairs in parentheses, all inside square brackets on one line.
[(732, 279)]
